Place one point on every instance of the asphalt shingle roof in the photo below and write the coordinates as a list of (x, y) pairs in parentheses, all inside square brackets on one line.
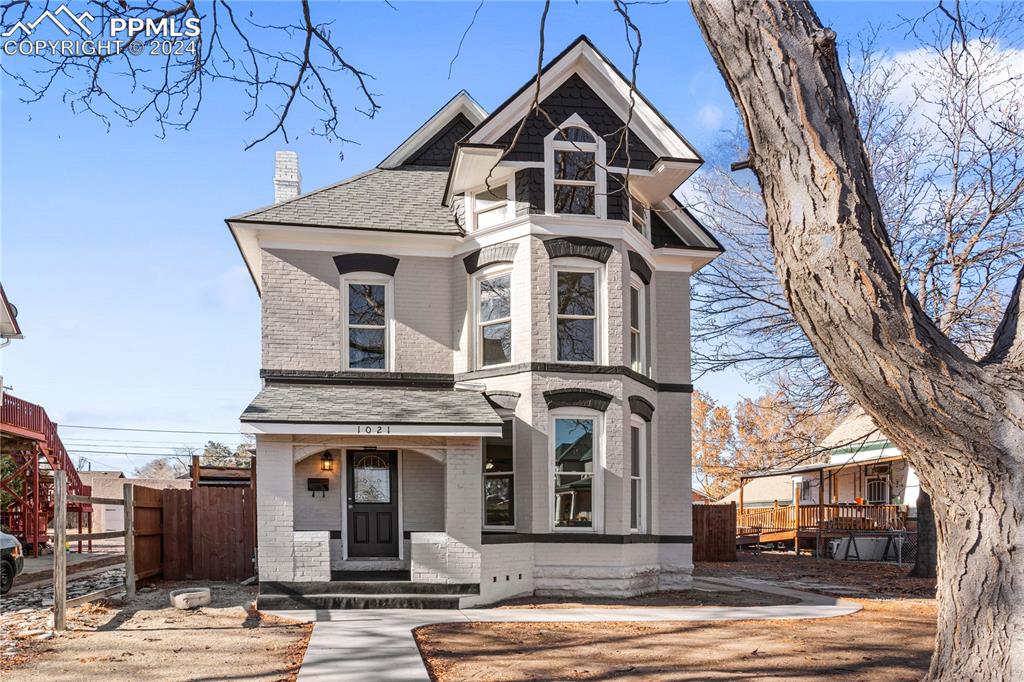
[(396, 200), (330, 404)]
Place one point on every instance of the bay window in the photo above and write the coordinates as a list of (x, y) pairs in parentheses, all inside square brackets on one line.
[(576, 314), (637, 325), (491, 205), (574, 455), (637, 471), (494, 319), (499, 479)]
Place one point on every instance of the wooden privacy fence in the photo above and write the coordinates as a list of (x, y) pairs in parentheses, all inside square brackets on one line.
[(714, 532), (132, 552), (209, 533)]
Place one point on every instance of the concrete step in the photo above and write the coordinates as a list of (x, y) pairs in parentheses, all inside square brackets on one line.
[(370, 575), (369, 587), (275, 602)]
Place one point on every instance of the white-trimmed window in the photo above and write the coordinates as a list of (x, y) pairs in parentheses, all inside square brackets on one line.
[(575, 178), (637, 325), (499, 479), (493, 294), (577, 305), (576, 469), (640, 216), (367, 321), (491, 205), (637, 475)]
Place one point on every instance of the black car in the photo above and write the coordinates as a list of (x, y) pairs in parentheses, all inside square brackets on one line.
[(12, 560)]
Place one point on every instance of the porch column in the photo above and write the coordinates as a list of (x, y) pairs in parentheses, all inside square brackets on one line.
[(463, 509), (274, 516)]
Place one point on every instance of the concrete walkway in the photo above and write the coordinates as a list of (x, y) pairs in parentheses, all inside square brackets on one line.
[(378, 644)]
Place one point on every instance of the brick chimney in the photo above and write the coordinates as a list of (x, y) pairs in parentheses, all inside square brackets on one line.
[(287, 178)]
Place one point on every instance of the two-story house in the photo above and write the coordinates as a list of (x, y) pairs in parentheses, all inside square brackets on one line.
[(476, 365)]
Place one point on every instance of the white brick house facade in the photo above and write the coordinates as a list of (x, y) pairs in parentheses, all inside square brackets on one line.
[(476, 357)]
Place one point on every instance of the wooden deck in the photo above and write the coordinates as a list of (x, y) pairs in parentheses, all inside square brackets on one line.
[(789, 523)]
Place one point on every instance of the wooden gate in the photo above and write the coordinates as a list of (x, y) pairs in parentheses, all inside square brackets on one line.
[(148, 526), (209, 533), (714, 532)]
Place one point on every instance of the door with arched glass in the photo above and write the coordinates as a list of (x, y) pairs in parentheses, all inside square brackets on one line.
[(372, 503)]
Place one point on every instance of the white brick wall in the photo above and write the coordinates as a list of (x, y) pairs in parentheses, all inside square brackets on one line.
[(312, 556), (672, 328), (422, 492), (274, 508)]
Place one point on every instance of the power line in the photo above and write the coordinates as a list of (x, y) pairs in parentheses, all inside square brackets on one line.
[(117, 428), (76, 451)]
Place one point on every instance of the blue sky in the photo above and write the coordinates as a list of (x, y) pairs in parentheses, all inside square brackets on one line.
[(136, 307)]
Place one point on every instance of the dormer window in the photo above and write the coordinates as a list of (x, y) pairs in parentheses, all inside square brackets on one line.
[(575, 177), (491, 205)]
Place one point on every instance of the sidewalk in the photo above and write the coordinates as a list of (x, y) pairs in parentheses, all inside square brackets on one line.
[(379, 644)]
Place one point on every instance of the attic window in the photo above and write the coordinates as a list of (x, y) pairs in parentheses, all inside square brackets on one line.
[(490, 206), (575, 179), (640, 216)]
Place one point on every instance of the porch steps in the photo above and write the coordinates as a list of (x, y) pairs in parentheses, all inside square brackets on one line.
[(362, 594)]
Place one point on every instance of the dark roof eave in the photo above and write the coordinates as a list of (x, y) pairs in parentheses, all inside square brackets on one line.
[(243, 419), (277, 223)]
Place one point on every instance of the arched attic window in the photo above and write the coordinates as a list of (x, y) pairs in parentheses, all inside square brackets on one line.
[(574, 170)]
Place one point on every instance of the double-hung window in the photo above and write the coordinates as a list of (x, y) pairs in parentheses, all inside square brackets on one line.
[(491, 206), (877, 490), (574, 454), (494, 319), (575, 178), (637, 470), (366, 314), (576, 313), (637, 325), (499, 479)]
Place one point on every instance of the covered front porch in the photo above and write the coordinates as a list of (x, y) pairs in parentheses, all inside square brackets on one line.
[(369, 485)]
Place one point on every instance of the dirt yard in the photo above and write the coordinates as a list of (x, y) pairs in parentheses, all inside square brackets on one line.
[(690, 598), (148, 640), (890, 640)]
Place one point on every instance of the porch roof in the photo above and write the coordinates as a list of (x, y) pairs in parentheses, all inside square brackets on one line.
[(320, 408)]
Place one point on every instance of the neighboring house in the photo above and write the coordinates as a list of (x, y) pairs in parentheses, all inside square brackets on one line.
[(9, 328), (700, 497), (862, 483), (110, 485), (476, 364)]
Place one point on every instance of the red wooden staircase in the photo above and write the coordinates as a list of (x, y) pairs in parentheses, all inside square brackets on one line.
[(29, 440)]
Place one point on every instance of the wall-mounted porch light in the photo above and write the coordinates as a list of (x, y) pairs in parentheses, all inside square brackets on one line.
[(326, 462)]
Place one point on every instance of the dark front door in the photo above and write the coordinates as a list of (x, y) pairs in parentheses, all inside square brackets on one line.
[(372, 503)]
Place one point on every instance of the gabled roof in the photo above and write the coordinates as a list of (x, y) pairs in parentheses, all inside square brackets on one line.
[(399, 200), (462, 106), (9, 328), (583, 58)]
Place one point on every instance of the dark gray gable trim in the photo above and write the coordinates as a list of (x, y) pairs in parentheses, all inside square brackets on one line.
[(577, 397), (638, 265), (638, 405), (489, 255), (366, 262), (578, 247), (503, 399)]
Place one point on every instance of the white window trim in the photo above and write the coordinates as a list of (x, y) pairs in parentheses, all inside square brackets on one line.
[(636, 283), (597, 487), (647, 222), (512, 473), (509, 208), (552, 142), (637, 422), (586, 266), (478, 326), (389, 321)]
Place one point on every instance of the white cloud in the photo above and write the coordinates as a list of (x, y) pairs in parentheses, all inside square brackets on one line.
[(710, 116)]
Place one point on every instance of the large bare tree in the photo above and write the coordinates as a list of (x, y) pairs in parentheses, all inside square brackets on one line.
[(960, 420)]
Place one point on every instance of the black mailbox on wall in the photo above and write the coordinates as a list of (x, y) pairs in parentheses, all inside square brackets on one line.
[(318, 485)]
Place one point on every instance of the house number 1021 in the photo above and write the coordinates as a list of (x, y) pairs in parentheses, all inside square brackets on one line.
[(372, 429)]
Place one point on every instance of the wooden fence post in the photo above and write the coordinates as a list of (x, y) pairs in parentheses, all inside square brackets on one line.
[(60, 557), (129, 540)]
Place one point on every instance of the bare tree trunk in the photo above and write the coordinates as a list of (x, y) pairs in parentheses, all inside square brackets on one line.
[(960, 422), (927, 560)]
